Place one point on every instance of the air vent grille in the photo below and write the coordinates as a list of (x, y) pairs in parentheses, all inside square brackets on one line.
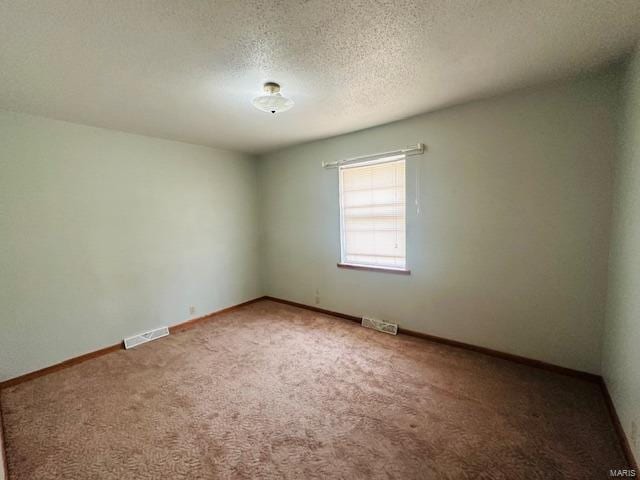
[(145, 337), (380, 325)]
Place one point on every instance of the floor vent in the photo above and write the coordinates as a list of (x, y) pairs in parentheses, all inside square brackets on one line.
[(145, 337), (386, 327)]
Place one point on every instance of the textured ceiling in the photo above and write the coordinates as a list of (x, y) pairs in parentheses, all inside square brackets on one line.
[(188, 69)]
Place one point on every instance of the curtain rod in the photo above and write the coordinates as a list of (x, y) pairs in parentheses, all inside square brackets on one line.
[(414, 150)]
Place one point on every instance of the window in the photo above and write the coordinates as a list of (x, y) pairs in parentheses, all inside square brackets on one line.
[(372, 214)]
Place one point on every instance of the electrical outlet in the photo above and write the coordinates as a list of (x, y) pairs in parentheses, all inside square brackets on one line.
[(192, 310), (634, 434), (317, 296)]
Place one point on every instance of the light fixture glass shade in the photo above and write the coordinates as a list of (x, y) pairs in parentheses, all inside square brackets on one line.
[(272, 103)]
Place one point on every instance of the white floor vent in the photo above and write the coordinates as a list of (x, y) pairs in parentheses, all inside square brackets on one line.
[(145, 337), (380, 325)]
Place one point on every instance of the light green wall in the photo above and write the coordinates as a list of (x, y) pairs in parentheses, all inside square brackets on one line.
[(106, 234), (621, 365), (510, 248)]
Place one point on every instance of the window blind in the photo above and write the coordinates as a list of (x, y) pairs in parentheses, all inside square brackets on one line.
[(372, 213)]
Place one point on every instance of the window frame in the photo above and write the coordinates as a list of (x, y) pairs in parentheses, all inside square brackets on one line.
[(364, 267)]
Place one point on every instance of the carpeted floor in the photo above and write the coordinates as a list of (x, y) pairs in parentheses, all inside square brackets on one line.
[(273, 391)]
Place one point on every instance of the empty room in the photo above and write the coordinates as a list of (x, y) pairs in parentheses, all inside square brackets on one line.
[(319, 239)]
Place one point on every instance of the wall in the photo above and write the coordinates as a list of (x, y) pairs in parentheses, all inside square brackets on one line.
[(621, 363), (510, 248), (106, 234)]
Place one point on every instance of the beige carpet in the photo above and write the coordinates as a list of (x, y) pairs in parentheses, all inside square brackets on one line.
[(272, 391)]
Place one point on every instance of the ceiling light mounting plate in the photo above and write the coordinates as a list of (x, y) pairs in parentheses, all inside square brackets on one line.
[(271, 87)]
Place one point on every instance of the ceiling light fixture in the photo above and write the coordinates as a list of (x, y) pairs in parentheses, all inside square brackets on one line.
[(272, 101)]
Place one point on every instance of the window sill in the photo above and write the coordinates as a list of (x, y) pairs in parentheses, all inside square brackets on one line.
[(397, 271)]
